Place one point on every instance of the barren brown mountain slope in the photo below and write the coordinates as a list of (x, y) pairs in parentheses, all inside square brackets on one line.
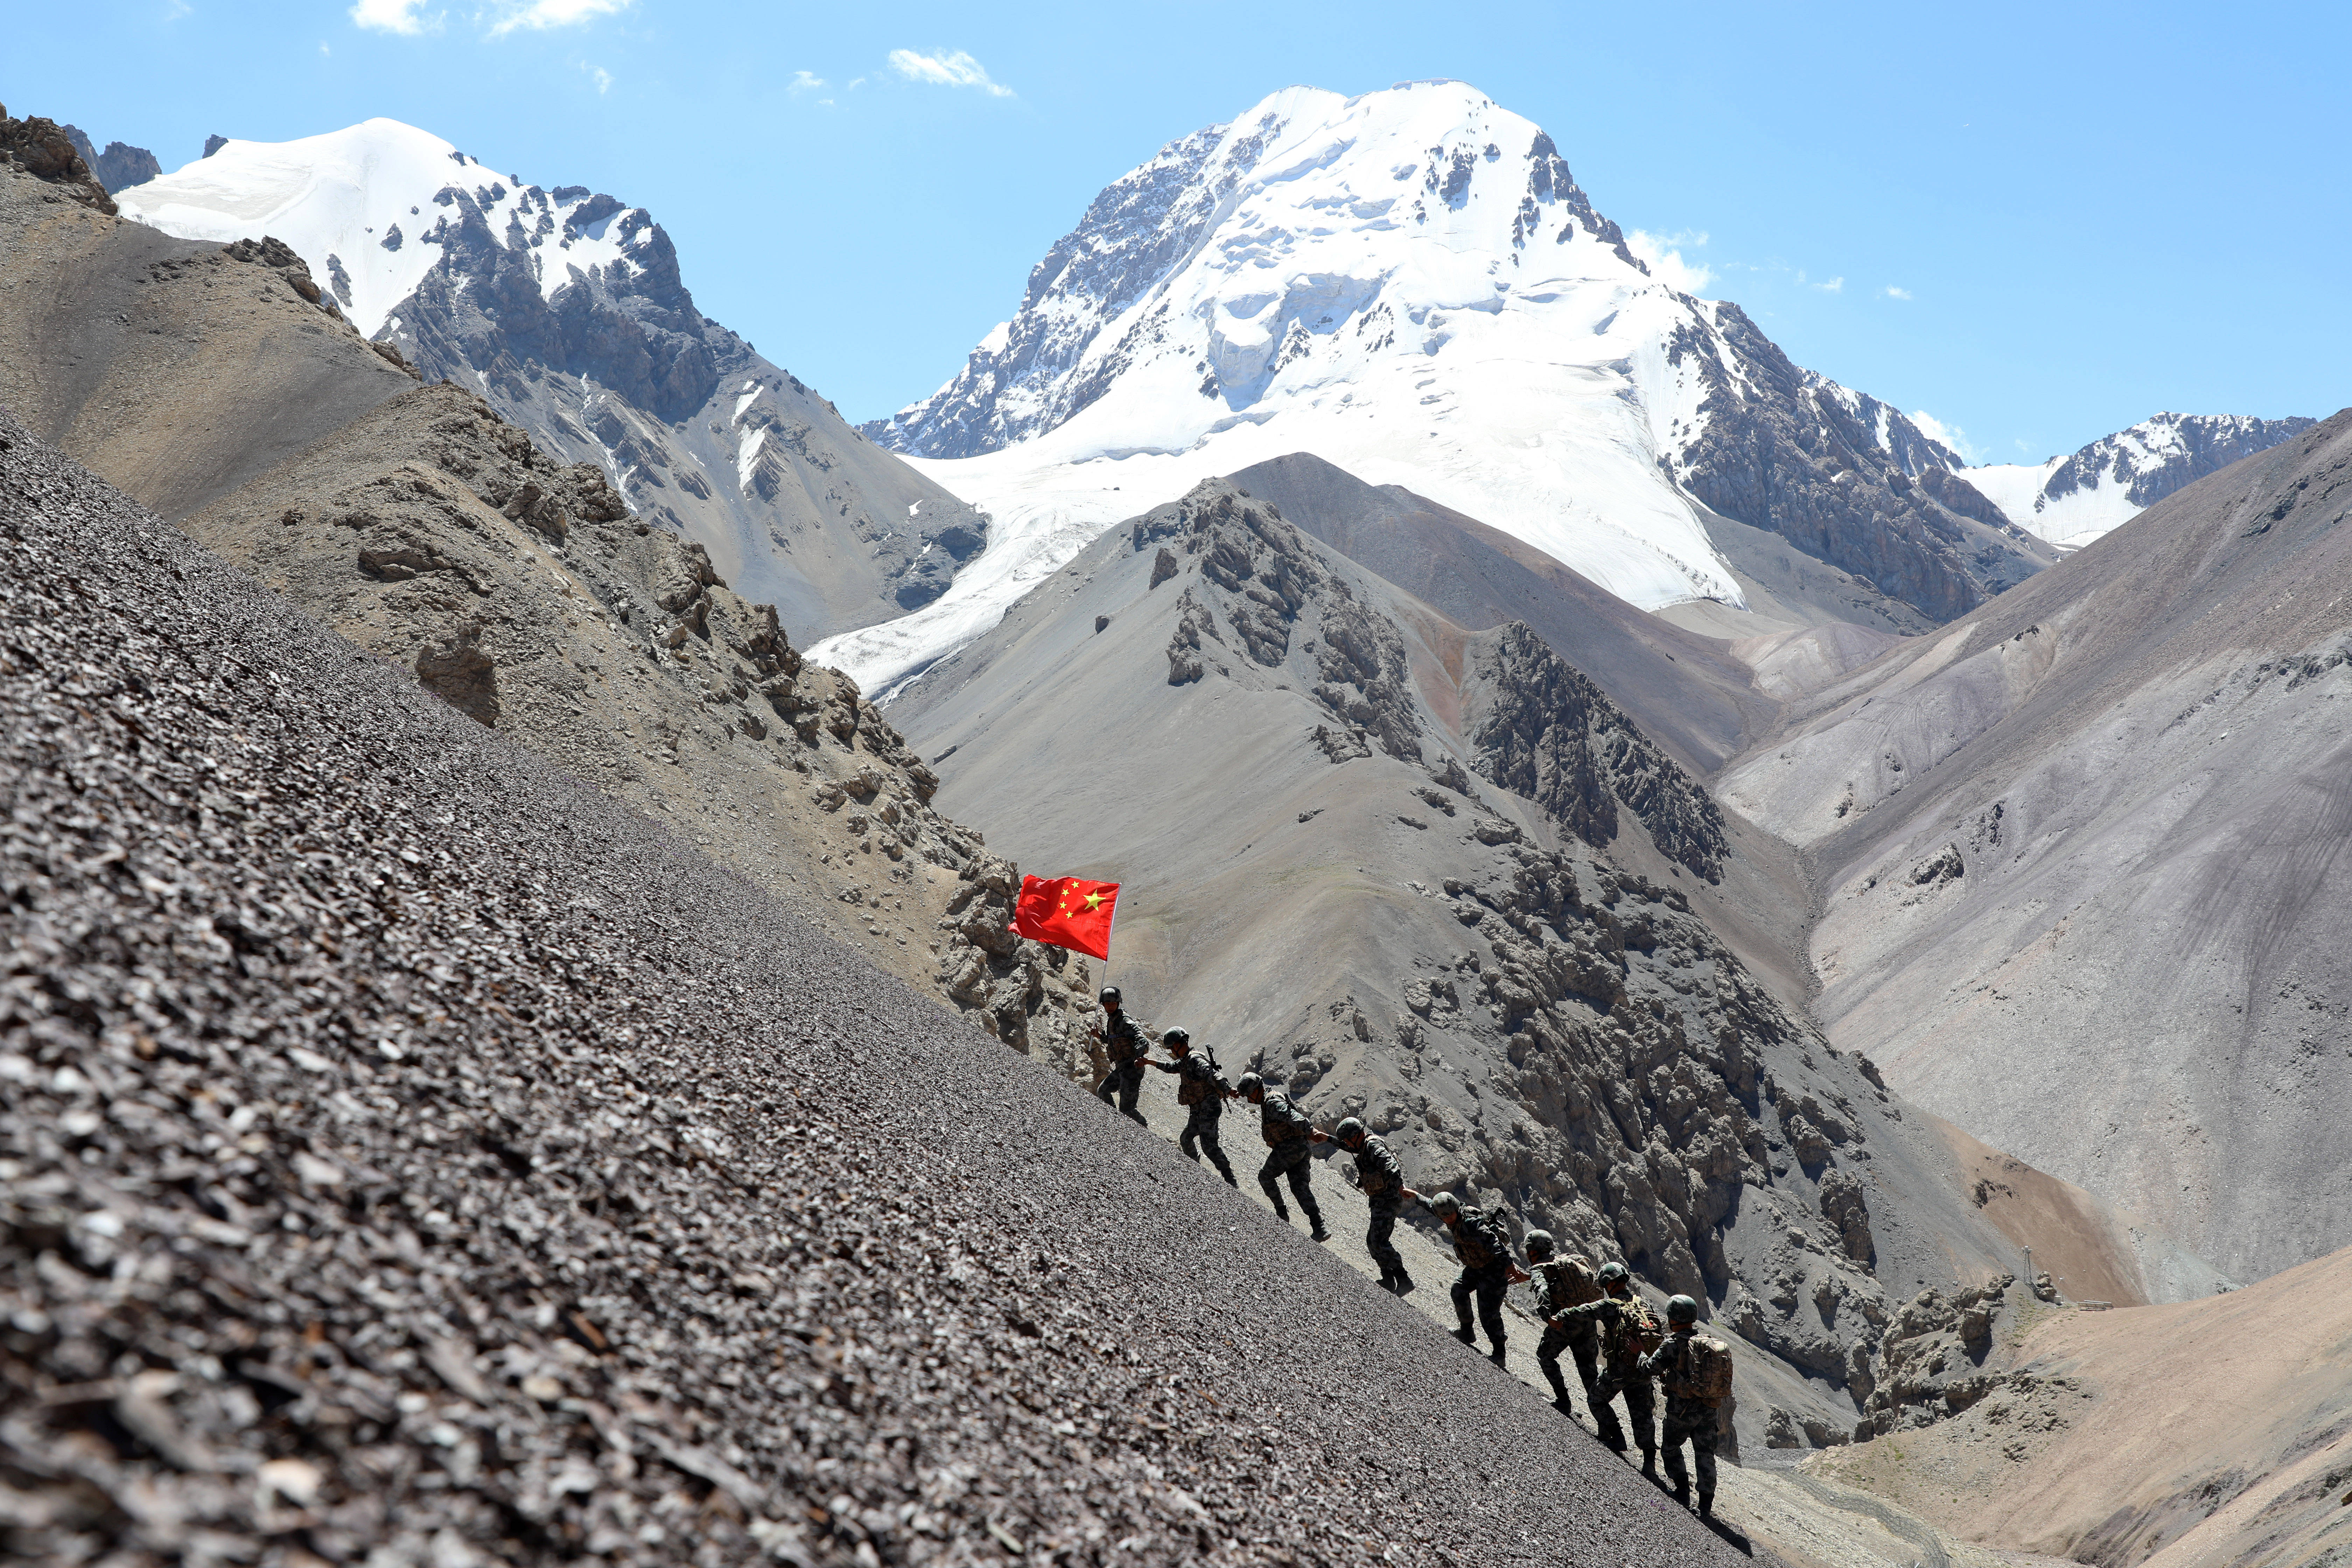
[(412, 1155), (2082, 860), (171, 368), (2191, 1436)]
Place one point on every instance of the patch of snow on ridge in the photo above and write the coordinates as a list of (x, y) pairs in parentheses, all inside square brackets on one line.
[(1407, 284), (379, 196)]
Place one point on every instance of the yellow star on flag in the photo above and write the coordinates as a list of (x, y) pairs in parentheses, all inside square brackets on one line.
[(1093, 900)]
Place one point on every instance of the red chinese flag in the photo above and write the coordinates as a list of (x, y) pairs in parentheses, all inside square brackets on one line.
[(1068, 911)]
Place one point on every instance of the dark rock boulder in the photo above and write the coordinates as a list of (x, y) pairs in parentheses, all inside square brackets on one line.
[(42, 149)]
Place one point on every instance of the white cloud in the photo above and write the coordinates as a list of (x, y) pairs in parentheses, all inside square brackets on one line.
[(1892, 293), (1835, 286), (1662, 254), (603, 78), (404, 16), (805, 81), (323, 48), (945, 68), (540, 14), (1952, 436)]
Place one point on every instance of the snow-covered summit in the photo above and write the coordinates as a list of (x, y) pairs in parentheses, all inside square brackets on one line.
[(2071, 501), (371, 207), (1409, 284)]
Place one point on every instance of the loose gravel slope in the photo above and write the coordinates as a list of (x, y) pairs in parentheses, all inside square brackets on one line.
[(409, 1155)]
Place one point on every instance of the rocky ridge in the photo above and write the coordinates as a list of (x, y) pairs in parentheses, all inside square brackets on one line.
[(1532, 1023), (1845, 478), (412, 1156), (44, 148), (526, 593)]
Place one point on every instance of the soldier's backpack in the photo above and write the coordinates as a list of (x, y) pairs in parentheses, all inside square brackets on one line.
[(1708, 1375), (1643, 1331), (1573, 1282), (1196, 1084)]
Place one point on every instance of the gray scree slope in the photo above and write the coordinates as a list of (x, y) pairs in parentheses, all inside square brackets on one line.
[(408, 1148), (2081, 855)]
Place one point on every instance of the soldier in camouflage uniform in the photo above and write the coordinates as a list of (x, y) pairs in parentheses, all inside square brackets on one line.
[(1126, 1047), (1561, 1283), (1290, 1141), (1488, 1272), (1689, 1417), (1627, 1332), (1381, 1179), (1203, 1093)]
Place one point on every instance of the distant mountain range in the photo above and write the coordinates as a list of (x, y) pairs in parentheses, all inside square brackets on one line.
[(567, 310), (2071, 501)]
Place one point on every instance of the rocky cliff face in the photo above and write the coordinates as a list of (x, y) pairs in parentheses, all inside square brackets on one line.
[(117, 168), (1840, 475), (1543, 730)]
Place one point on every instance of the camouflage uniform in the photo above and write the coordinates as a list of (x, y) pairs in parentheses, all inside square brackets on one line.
[(1290, 1152), (1198, 1088), (1381, 1178), (1688, 1417), (1625, 1322), (1126, 1048), (1485, 1248), (1562, 1283)]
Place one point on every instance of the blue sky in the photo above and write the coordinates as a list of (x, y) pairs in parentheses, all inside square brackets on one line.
[(2038, 223)]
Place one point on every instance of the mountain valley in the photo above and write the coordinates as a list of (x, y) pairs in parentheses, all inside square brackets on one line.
[(1672, 797)]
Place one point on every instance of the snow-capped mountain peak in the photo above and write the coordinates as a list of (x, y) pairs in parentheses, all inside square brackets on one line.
[(1411, 285), (371, 208)]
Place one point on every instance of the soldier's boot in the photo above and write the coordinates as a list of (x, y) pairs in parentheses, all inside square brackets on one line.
[(1404, 1286), (1558, 1384), (1225, 1169), (1314, 1225), (1466, 1334), (1682, 1493), (1496, 1355), (1649, 1463), (1707, 1505)]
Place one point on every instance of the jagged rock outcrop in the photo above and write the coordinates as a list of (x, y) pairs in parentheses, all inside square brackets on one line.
[(1269, 581), (42, 149), (117, 168), (278, 256), (1543, 730)]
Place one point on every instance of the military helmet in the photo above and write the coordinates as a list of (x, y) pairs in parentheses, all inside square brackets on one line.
[(1349, 1130), (1445, 1206), (1178, 1038), (1612, 1274), (1682, 1309), (1109, 997), (1539, 1245), (1249, 1083)]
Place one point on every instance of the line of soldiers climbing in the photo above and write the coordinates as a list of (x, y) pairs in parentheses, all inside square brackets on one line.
[(1594, 1315)]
